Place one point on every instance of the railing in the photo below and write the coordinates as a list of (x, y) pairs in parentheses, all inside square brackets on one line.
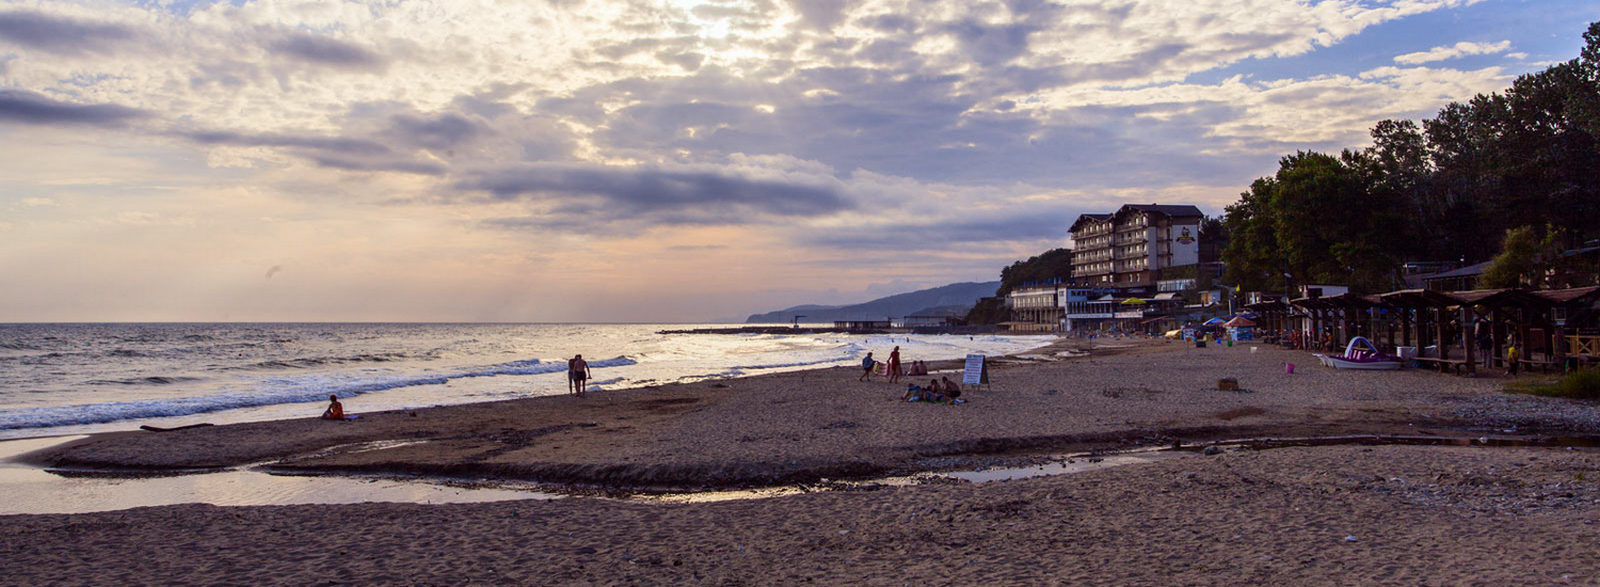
[(1584, 345)]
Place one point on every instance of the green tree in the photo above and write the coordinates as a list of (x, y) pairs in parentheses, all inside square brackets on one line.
[(1526, 256), (1050, 266), (1317, 220), (1047, 267), (1252, 256)]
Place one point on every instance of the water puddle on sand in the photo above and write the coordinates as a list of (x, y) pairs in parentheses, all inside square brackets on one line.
[(1077, 463), (31, 490), (1070, 465)]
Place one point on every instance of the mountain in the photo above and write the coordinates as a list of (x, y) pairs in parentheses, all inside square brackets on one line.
[(935, 301)]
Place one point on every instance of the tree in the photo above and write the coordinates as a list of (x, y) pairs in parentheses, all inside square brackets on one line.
[(1527, 156), (1525, 258), (1252, 255), (1048, 267)]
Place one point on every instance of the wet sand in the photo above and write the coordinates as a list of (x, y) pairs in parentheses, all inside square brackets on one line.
[(1312, 515)]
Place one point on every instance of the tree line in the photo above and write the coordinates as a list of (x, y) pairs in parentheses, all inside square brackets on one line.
[(1514, 173)]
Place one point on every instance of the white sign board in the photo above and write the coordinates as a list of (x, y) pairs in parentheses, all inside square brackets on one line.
[(977, 371)]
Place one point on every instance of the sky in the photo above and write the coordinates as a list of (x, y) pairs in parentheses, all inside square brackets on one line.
[(662, 160)]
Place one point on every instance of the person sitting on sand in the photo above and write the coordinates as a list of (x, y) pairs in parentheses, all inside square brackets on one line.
[(951, 388), (931, 394), (577, 374), (335, 409), (866, 367)]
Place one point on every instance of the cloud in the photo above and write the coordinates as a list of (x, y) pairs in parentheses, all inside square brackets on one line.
[(63, 36), (439, 133), (396, 165), (316, 143), (682, 195), (31, 108), (330, 52), (1458, 50), (821, 14), (953, 229)]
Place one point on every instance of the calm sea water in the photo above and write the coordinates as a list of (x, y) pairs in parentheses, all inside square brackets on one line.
[(75, 378)]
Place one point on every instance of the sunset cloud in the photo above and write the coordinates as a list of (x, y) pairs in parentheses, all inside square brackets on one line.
[(483, 141)]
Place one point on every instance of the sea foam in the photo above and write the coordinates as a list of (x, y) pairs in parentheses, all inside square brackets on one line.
[(272, 391)]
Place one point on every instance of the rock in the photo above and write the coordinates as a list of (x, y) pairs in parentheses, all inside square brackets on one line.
[(1213, 450)]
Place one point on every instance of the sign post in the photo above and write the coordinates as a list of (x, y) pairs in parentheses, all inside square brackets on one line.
[(976, 372)]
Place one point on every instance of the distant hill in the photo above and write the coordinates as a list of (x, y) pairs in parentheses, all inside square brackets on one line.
[(936, 301)]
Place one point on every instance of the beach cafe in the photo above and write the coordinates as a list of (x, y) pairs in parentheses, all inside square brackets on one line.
[(1450, 330)]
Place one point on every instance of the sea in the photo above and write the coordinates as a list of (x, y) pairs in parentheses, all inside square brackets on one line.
[(61, 379)]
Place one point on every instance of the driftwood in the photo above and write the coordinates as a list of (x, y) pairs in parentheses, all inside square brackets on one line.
[(160, 429)]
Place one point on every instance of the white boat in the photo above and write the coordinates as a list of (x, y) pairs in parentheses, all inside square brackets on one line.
[(1361, 354)]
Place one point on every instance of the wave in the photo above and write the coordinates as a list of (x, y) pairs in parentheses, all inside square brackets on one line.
[(156, 380), (310, 362), (834, 360), (286, 390)]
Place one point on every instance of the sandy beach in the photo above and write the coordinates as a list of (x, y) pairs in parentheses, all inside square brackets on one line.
[(1341, 514)]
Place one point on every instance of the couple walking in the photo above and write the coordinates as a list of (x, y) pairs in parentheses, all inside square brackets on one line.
[(577, 374)]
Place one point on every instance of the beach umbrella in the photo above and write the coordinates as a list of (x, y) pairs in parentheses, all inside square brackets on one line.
[(1240, 322), (1214, 321)]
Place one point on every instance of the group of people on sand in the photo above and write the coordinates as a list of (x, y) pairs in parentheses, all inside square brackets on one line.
[(893, 368), (868, 364), (939, 390)]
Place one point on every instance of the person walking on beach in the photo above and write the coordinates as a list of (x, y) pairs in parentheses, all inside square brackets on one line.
[(894, 365), (866, 367), (577, 374)]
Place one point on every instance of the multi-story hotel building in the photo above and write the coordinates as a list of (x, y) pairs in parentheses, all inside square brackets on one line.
[(1127, 248)]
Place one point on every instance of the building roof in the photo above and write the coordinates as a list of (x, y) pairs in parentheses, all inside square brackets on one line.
[(1082, 218), (1169, 210), (1563, 296), (1172, 210), (1469, 270)]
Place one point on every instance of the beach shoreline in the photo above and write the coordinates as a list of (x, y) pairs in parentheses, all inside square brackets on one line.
[(804, 426), (1341, 514)]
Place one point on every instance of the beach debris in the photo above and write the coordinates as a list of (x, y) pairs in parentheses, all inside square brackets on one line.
[(1349, 539), (1228, 384), (1213, 450), (150, 428), (1288, 368)]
